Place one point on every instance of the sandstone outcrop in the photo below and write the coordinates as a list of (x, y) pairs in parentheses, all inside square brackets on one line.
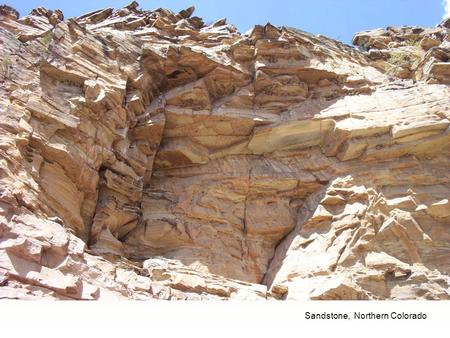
[(147, 154)]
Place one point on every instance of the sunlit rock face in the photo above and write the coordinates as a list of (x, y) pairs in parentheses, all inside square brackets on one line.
[(146, 154)]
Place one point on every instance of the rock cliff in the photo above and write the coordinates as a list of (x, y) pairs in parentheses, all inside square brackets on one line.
[(147, 154)]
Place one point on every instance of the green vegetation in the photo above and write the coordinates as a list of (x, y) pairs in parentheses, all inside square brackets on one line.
[(405, 60), (45, 40), (5, 63), (415, 43), (398, 58)]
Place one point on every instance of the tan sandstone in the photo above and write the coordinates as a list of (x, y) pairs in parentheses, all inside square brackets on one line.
[(145, 154)]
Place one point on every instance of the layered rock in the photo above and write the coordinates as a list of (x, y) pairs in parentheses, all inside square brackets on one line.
[(409, 52), (146, 154)]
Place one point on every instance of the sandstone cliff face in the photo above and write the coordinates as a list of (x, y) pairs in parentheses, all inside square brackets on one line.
[(146, 154)]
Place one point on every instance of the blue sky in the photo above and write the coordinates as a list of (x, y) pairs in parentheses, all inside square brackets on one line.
[(338, 19)]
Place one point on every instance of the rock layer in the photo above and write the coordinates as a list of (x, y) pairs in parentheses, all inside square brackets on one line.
[(145, 154)]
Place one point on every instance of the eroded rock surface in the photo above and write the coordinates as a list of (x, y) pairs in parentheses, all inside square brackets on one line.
[(145, 154)]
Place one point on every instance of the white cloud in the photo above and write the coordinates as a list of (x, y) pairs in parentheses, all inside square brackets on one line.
[(446, 4)]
